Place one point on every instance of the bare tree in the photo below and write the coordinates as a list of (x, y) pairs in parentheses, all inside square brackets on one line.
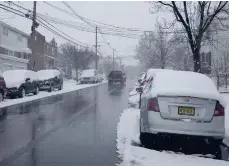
[(78, 58), (154, 48), (195, 18)]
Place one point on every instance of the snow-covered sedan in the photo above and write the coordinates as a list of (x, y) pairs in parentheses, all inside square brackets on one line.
[(21, 82), (181, 103), (89, 76), (50, 80)]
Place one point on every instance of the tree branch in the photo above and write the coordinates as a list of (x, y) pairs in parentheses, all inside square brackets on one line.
[(186, 12), (211, 17), (166, 4)]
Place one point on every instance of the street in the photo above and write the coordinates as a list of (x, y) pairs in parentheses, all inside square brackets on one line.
[(76, 128)]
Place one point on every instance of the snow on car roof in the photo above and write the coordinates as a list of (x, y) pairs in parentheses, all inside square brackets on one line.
[(88, 73), (47, 74), (152, 72), (183, 83), (14, 78)]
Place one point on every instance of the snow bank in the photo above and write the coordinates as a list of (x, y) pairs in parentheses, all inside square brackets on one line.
[(68, 86), (133, 100), (47, 74), (182, 83), (128, 133), (88, 73)]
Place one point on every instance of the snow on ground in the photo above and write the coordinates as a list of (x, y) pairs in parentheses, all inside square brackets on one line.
[(130, 155), (133, 100), (68, 86)]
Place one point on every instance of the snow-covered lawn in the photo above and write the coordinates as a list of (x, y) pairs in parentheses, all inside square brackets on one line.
[(69, 85), (130, 155)]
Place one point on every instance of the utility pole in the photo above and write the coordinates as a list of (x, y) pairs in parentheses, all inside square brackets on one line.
[(96, 48), (33, 34), (113, 58)]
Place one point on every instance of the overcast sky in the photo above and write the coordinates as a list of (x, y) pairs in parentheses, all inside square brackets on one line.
[(123, 14)]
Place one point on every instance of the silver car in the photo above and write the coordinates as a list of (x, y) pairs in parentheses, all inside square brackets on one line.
[(181, 103)]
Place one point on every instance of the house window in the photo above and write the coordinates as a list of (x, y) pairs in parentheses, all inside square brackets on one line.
[(18, 54), (19, 38), (5, 31)]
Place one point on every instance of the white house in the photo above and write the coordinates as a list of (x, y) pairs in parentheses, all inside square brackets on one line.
[(14, 51)]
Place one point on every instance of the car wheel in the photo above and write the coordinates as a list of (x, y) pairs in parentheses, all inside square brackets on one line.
[(51, 88), (61, 86), (1, 97), (22, 93), (36, 91)]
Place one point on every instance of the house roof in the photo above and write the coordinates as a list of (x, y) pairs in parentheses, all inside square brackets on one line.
[(14, 29)]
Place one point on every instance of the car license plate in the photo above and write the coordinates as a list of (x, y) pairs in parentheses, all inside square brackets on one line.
[(190, 111)]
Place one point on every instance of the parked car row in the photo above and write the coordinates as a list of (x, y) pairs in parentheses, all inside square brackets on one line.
[(179, 103), (19, 83)]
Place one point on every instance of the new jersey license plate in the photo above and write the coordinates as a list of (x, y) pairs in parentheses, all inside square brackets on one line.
[(190, 111)]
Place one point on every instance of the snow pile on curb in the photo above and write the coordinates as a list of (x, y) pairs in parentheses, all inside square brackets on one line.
[(68, 86), (133, 101), (128, 133)]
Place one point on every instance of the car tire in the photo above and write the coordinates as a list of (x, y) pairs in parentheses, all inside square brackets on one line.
[(22, 93), (1, 96), (51, 88), (61, 86), (36, 90)]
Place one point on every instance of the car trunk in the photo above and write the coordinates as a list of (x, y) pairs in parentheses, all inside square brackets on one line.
[(186, 108)]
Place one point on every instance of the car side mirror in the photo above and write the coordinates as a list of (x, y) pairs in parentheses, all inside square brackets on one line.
[(139, 89), (27, 79)]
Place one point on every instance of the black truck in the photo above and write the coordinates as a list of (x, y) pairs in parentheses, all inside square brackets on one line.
[(117, 76)]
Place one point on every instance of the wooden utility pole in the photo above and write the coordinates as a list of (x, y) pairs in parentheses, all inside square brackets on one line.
[(96, 48), (33, 34)]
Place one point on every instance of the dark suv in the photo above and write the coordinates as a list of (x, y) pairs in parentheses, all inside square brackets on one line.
[(2, 88), (50, 80), (117, 76)]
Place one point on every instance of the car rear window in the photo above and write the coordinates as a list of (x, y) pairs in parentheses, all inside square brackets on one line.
[(116, 74)]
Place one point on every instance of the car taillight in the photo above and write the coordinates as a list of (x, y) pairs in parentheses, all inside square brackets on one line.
[(219, 110), (153, 105)]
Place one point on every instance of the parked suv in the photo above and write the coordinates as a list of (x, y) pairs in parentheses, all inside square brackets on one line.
[(21, 82), (50, 80), (2, 88)]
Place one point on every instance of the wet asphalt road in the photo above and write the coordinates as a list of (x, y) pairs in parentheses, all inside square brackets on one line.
[(77, 128)]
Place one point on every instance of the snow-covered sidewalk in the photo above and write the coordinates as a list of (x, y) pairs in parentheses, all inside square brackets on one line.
[(68, 86), (128, 133)]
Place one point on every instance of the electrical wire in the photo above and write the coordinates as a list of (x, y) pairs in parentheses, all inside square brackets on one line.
[(97, 22)]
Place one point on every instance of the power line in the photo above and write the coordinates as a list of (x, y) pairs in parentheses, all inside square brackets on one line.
[(45, 26), (80, 17), (63, 32), (87, 29), (97, 22)]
